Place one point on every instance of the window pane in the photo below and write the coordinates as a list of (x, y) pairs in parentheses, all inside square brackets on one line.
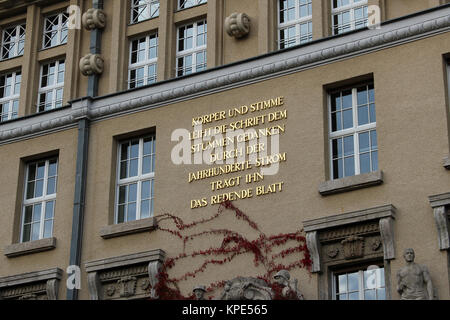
[(51, 186), (52, 168), (349, 165), (337, 148), (145, 192), (338, 169), (35, 229), (348, 146), (122, 194), (348, 118), (374, 161), (353, 281), (131, 212), (364, 145), (364, 162), (48, 228), (362, 95), (145, 209), (369, 295), (26, 236), (381, 294), (132, 192), (30, 190), (49, 209), (121, 214), (363, 115), (342, 283), (39, 188), (336, 121), (28, 214), (133, 168)]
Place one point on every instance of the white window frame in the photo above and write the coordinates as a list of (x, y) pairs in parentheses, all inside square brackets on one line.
[(39, 200), (147, 8), (354, 131), (194, 50), (146, 63), (361, 290), (134, 180), (352, 6), (182, 3), (17, 39), (60, 28), (297, 22), (15, 96), (53, 87)]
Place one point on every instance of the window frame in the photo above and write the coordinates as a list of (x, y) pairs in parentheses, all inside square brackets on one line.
[(351, 7), (180, 5), (145, 63), (354, 131), (60, 27), (43, 200), (148, 10), (297, 22), (16, 42), (12, 97), (53, 87), (362, 289), (192, 51), (138, 179)]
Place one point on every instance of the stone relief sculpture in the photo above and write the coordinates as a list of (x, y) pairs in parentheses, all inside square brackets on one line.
[(199, 292), (94, 19), (414, 281), (241, 288), (237, 25), (290, 287), (91, 64)]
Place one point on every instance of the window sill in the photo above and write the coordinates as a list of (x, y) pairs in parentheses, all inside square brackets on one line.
[(20, 249), (123, 229), (351, 183)]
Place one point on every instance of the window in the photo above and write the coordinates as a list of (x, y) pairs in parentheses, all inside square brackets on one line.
[(143, 58), (9, 95), (348, 15), (55, 30), (191, 48), (13, 42), (39, 200), (143, 10), (51, 86), (360, 285), (294, 22), (353, 136), (183, 4), (135, 182)]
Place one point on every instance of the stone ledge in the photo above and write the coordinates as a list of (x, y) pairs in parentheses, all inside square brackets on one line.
[(439, 200), (351, 183), (19, 249), (122, 229), (30, 277), (447, 163), (337, 220), (126, 260)]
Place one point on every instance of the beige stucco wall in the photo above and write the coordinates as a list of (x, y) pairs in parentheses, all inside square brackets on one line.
[(65, 142), (412, 137)]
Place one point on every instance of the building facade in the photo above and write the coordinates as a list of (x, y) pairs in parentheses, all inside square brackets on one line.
[(128, 126)]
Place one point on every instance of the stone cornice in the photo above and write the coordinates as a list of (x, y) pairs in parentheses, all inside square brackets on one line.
[(238, 74)]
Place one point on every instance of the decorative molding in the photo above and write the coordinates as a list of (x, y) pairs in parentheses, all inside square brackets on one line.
[(447, 163), (345, 219), (313, 244), (30, 247), (154, 268), (268, 66), (133, 275), (353, 247), (94, 19), (132, 227), (38, 285), (359, 181), (441, 208), (348, 231), (237, 25), (387, 237), (91, 64)]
